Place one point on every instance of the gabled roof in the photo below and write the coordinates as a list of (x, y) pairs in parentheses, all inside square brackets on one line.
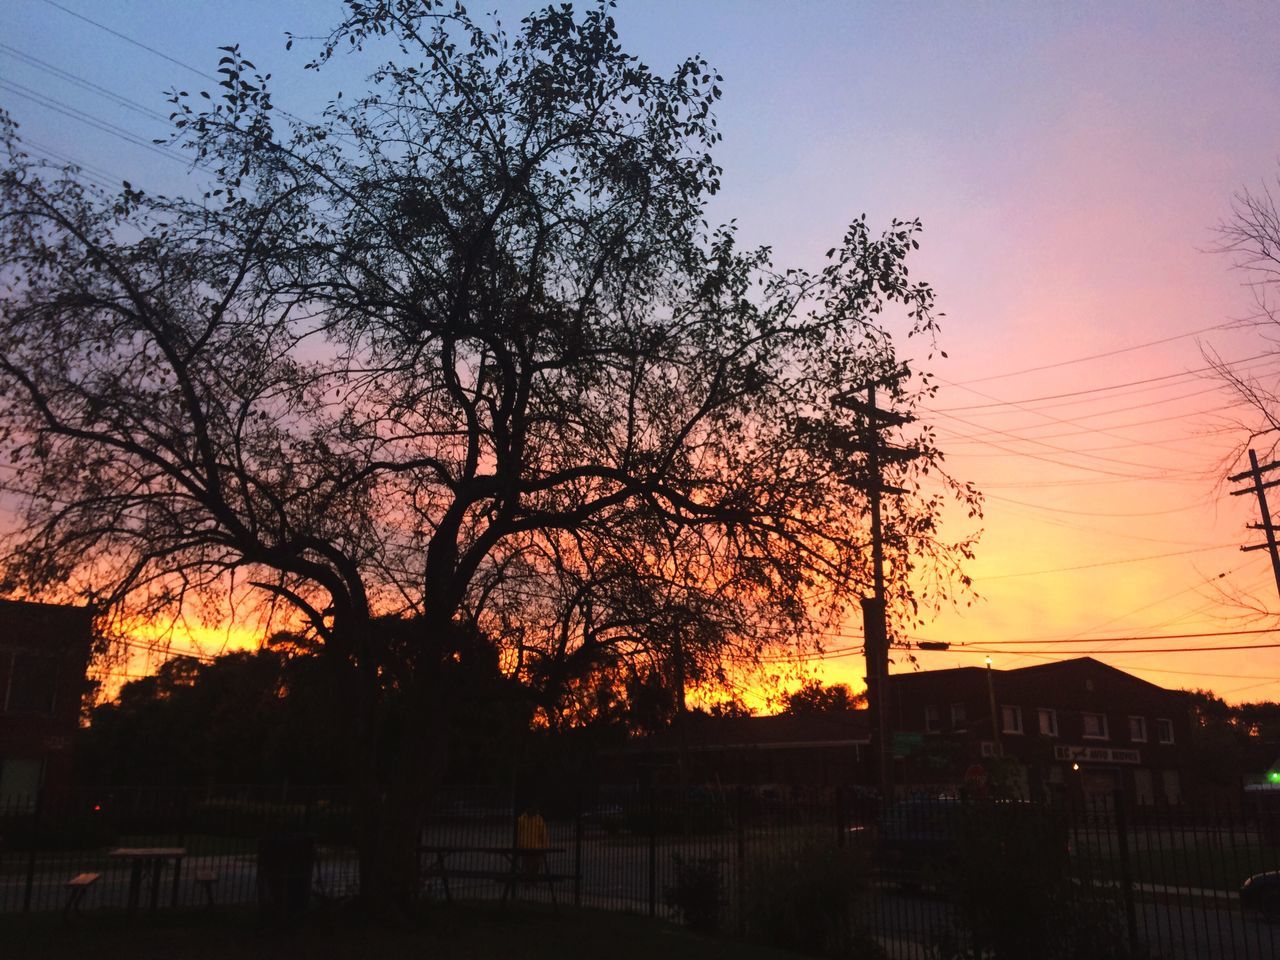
[(1077, 664)]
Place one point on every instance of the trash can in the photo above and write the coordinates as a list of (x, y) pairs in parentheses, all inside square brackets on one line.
[(285, 863)]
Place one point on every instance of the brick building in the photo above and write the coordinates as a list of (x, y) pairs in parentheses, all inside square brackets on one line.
[(1076, 726), (44, 652), (773, 751)]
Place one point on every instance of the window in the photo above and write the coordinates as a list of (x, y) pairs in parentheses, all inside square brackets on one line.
[(932, 718), (1048, 721), (32, 683), (1095, 726), (958, 717), (1164, 731), (1138, 729), (1011, 719), (19, 783)]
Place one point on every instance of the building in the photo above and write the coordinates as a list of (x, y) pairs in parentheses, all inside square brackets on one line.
[(1078, 727), (44, 652), (780, 752)]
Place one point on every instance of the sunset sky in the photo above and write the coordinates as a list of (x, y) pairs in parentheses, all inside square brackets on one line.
[(1069, 162)]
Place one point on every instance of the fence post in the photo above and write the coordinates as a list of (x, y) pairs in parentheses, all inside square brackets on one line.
[(653, 854), (1126, 873), (183, 815), (577, 852), (741, 867), (839, 798), (31, 856)]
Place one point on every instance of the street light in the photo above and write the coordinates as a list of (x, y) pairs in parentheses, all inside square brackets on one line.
[(995, 726)]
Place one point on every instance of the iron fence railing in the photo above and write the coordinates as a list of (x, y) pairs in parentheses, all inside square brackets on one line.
[(927, 876)]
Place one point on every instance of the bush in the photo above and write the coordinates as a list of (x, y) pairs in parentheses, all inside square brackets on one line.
[(698, 894), (803, 898), (1010, 881)]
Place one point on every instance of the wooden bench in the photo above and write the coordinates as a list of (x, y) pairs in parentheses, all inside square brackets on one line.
[(523, 865), (77, 886), (207, 879)]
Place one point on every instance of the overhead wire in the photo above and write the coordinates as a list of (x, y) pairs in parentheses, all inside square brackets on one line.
[(1106, 563), (1027, 401), (1098, 356)]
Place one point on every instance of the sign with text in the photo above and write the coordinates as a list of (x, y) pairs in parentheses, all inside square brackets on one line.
[(1096, 755)]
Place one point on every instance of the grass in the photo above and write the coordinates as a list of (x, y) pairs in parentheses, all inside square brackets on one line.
[(460, 932)]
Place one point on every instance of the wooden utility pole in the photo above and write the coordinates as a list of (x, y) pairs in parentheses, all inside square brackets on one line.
[(1259, 489), (875, 627)]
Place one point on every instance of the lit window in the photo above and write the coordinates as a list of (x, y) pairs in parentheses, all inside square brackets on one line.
[(1048, 721), (1011, 719), (932, 718), (1164, 730), (1095, 726), (1138, 729), (958, 717)]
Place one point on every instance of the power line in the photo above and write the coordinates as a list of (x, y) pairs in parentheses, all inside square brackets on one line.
[(1108, 563), (1142, 668), (987, 431), (1092, 513), (159, 53), (1093, 390), (1097, 356), (81, 82), (67, 110), (128, 39), (1150, 636), (1254, 646)]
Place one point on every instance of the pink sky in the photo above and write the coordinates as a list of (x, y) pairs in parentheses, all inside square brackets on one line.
[(1069, 164)]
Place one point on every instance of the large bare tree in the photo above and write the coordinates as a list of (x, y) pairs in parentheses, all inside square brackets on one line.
[(464, 349)]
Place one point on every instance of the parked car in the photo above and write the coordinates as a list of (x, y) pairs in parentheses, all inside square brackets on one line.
[(923, 842), (918, 839), (1261, 892)]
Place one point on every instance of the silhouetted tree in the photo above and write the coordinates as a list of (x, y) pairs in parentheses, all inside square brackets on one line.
[(465, 350), (813, 697)]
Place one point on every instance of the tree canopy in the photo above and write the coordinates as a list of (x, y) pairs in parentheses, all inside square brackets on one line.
[(466, 349), (813, 697)]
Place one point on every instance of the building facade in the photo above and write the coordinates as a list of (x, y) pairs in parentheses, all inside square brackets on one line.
[(1078, 727), (44, 653)]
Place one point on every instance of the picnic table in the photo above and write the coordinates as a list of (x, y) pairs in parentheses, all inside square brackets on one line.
[(510, 865), (149, 860)]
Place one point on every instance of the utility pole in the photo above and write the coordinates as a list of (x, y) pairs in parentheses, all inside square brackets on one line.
[(1259, 489), (875, 626), (995, 716)]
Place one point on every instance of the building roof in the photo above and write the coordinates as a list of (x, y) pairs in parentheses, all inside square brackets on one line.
[(44, 626), (1038, 671), (813, 731)]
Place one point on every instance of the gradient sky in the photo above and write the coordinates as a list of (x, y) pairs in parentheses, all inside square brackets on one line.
[(1069, 163)]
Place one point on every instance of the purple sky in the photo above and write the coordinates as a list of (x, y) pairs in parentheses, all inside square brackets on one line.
[(1069, 163)]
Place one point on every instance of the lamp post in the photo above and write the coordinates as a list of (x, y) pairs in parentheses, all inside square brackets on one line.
[(995, 719)]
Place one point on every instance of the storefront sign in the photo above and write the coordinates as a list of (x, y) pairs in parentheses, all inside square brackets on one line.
[(1096, 755)]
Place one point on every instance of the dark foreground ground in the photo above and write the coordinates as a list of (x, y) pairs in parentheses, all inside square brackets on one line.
[(461, 932)]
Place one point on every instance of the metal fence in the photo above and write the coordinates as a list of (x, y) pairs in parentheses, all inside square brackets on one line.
[(928, 876)]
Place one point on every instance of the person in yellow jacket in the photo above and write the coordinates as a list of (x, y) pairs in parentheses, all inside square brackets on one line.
[(532, 835)]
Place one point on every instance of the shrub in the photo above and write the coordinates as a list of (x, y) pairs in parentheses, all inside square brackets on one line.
[(698, 894), (803, 898), (1011, 884)]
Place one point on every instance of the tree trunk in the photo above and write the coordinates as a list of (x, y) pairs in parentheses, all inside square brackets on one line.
[(402, 767)]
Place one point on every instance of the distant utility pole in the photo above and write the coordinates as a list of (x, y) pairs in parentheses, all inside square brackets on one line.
[(875, 626), (1259, 488)]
